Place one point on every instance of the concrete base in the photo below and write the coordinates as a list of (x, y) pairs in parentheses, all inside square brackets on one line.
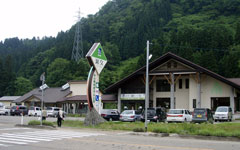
[(93, 118)]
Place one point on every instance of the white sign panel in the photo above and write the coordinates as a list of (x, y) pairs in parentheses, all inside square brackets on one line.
[(139, 96)]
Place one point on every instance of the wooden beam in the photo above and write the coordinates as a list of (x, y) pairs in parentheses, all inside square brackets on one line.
[(142, 79), (169, 81), (177, 79), (152, 79)]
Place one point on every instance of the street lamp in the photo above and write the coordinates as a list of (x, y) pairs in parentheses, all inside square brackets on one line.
[(43, 87), (147, 87)]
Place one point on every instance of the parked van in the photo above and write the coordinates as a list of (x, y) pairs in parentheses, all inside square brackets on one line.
[(223, 113), (34, 111), (202, 115)]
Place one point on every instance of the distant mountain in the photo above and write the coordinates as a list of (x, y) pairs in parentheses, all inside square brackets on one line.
[(206, 32)]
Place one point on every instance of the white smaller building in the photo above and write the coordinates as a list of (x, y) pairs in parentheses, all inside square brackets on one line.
[(8, 100)]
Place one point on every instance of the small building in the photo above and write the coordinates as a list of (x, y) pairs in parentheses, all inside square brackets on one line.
[(175, 82), (8, 100), (76, 101), (71, 97), (50, 97)]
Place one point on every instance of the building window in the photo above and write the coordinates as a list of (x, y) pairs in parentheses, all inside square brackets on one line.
[(163, 86), (194, 103), (180, 84), (187, 83)]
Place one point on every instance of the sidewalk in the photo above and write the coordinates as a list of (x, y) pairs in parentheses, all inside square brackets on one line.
[(236, 115)]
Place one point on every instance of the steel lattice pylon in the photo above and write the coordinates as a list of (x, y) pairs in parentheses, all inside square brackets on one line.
[(77, 51)]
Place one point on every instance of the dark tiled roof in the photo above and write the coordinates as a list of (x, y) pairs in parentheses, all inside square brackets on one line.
[(163, 59), (51, 95), (235, 80)]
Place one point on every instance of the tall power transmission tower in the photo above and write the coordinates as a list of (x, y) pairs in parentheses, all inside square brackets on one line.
[(77, 51)]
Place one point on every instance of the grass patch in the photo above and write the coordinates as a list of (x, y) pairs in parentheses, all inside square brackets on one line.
[(223, 129), (76, 115), (37, 122)]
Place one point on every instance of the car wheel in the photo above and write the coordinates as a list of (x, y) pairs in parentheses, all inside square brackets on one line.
[(185, 120)]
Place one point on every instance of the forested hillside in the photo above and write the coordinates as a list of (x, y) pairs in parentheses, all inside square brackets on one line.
[(206, 32)]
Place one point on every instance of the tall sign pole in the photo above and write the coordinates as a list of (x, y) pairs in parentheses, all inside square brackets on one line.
[(147, 87), (42, 78), (97, 60)]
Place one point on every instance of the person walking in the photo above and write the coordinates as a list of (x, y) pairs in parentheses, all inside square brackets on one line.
[(59, 118)]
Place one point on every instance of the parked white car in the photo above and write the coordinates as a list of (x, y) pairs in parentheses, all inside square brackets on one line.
[(223, 113), (34, 111), (52, 111), (4, 110), (179, 115)]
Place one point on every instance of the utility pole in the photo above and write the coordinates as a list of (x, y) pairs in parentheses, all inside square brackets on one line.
[(147, 87), (42, 78), (77, 51)]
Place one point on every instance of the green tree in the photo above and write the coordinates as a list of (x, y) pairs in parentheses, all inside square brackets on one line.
[(58, 72), (237, 34), (22, 86)]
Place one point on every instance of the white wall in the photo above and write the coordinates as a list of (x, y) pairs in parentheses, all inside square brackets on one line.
[(78, 88), (210, 87), (181, 95)]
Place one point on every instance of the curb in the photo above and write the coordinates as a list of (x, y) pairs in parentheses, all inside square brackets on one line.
[(216, 138), (36, 126)]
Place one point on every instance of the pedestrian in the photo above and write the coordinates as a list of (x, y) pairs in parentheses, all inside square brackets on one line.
[(59, 118)]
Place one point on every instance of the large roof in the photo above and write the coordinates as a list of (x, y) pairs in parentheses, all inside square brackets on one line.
[(51, 95), (9, 98), (83, 98), (165, 58)]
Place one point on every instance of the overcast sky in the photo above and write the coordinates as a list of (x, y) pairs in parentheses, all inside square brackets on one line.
[(29, 18)]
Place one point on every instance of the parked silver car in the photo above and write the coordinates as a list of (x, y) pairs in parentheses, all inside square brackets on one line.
[(130, 115), (223, 113)]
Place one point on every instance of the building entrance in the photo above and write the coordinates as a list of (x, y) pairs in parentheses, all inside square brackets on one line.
[(164, 102), (219, 101)]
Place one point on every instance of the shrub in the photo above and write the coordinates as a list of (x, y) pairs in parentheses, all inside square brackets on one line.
[(138, 130)]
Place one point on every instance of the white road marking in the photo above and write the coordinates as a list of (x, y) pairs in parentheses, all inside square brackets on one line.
[(40, 136), (6, 129)]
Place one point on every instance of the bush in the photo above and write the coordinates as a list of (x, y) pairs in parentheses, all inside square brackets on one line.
[(138, 130)]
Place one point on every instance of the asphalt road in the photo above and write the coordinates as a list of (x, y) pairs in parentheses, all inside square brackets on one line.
[(15, 138)]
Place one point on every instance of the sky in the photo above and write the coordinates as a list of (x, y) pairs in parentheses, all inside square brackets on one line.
[(39, 18)]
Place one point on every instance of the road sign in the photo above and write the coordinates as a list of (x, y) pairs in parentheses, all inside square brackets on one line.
[(97, 57)]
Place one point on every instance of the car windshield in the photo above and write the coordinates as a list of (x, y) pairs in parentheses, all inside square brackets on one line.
[(200, 111), (222, 109), (173, 111), (49, 108), (108, 111), (127, 112), (152, 112)]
